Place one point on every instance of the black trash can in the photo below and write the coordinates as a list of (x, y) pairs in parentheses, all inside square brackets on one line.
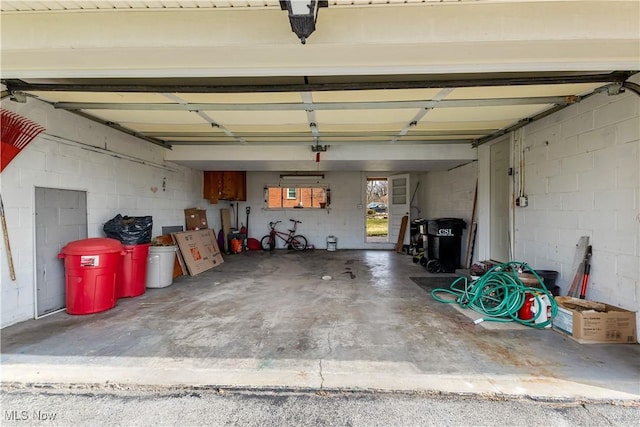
[(444, 237)]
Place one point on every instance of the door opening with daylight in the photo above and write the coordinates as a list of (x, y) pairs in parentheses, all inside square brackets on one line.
[(377, 210)]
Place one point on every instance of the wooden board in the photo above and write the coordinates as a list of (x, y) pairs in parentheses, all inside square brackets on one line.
[(225, 217), (471, 237), (403, 230), (179, 257), (578, 266)]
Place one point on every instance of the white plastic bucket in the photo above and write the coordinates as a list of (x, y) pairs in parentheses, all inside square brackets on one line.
[(160, 266), (332, 243)]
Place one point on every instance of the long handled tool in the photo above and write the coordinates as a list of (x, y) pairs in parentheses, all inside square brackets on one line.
[(585, 276), (5, 232), (248, 210), (468, 259), (582, 249)]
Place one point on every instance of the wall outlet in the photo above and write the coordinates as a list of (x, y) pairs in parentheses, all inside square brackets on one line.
[(522, 201)]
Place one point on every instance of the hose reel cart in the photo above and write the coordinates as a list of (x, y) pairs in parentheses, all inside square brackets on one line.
[(443, 245)]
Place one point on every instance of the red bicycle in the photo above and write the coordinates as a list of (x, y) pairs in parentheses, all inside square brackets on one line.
[(291, 240)]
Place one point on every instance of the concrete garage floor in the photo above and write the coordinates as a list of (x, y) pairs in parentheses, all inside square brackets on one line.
[(269, 320)]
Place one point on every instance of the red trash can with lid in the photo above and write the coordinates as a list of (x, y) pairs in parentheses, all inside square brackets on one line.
[(90, 269), (132, 274)]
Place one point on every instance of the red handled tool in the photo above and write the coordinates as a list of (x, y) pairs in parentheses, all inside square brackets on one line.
[(585, 276)]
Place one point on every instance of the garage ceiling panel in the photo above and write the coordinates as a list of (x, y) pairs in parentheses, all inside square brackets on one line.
[(242, 98), (375, 95), (267, 118), (268, 128), (400, 115), (110, 97), (172, 127), (427, 124), (151, 117), (465, 114), (523, 91)]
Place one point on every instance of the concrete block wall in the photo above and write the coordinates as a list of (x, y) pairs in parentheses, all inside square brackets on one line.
[(120, 173), (344, 218), (582, 177), (449, 194)]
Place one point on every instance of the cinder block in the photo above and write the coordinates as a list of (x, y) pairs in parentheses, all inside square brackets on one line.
[(546, 201), (578, 163), (542, 135), (548, 236), (625, 107), (38, 178), (596, 220), (596, 179), (628, 130), (547, 169), (617, 157), (96, 170), (576, 125), (627, 178), (627, 221), (564, 219), (617, 242), (74, 151), (563, 148), (536, 154), (63, 164), (620, 200), (593, 102), (563, 183), (30, 159), (578, 201), (597, 139), (537, 185), (627, 267)]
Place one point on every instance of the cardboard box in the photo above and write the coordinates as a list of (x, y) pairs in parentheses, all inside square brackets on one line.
[(196, 219), (196, 255), (198, 250), (210, 242), (594, 322)]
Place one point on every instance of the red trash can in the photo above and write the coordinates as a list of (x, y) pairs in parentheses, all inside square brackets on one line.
[(132, 274), (90, 268)]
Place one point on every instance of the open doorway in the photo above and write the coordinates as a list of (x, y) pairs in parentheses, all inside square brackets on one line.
[(377, 221)]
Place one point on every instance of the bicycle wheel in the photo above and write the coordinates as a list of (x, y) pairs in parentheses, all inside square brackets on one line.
[(299, 243), (268, 243)]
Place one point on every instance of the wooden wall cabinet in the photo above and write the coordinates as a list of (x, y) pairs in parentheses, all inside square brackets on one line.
[(225, 185)]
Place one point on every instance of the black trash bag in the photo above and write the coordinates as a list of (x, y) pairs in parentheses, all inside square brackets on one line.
[(129, 230)]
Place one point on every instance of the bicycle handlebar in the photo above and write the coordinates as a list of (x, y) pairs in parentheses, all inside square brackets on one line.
[(296, 221)]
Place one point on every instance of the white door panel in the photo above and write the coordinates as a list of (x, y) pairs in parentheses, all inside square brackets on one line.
[(399, 200), (499, 215)]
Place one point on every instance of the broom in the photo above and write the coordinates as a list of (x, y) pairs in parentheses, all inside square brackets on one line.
[(15, 133)]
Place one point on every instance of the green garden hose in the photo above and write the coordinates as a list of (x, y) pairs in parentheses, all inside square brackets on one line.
[(499, 294)]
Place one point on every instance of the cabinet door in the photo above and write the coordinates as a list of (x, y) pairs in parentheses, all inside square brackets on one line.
[(234, 186), (241, 186), (212, 186)]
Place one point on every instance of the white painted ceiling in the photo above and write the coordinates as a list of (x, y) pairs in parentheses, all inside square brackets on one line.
[(203, 76)]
